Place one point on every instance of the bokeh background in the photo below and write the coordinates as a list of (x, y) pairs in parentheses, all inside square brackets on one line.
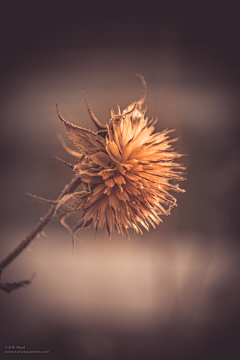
[(172, 293)]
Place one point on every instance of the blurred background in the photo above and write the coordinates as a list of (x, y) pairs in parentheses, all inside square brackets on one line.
[(172, 293)]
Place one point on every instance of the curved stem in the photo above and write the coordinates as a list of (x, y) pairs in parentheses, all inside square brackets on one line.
[(69, 188)]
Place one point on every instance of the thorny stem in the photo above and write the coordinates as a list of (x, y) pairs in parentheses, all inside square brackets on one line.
[(69, 188)]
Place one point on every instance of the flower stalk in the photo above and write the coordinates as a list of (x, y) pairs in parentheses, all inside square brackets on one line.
[(69, 188)]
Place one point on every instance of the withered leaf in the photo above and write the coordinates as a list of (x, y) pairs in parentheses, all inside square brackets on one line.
[(71, 202), (9, 287), (87, 141)]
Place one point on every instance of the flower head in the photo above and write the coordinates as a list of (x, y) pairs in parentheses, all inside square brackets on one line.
[(129, 171)]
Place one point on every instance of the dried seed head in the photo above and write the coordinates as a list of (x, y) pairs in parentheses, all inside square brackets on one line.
[(130, 171)]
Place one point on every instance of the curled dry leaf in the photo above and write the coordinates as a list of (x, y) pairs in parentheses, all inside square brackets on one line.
[(9, 287), (71, 202)]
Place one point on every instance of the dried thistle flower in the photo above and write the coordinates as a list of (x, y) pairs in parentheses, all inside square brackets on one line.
[(127, 170)]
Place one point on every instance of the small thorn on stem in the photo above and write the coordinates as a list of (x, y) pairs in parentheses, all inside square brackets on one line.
[(63, 161)]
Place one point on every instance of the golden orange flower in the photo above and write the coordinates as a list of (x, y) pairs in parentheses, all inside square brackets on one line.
[(128, 170)]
